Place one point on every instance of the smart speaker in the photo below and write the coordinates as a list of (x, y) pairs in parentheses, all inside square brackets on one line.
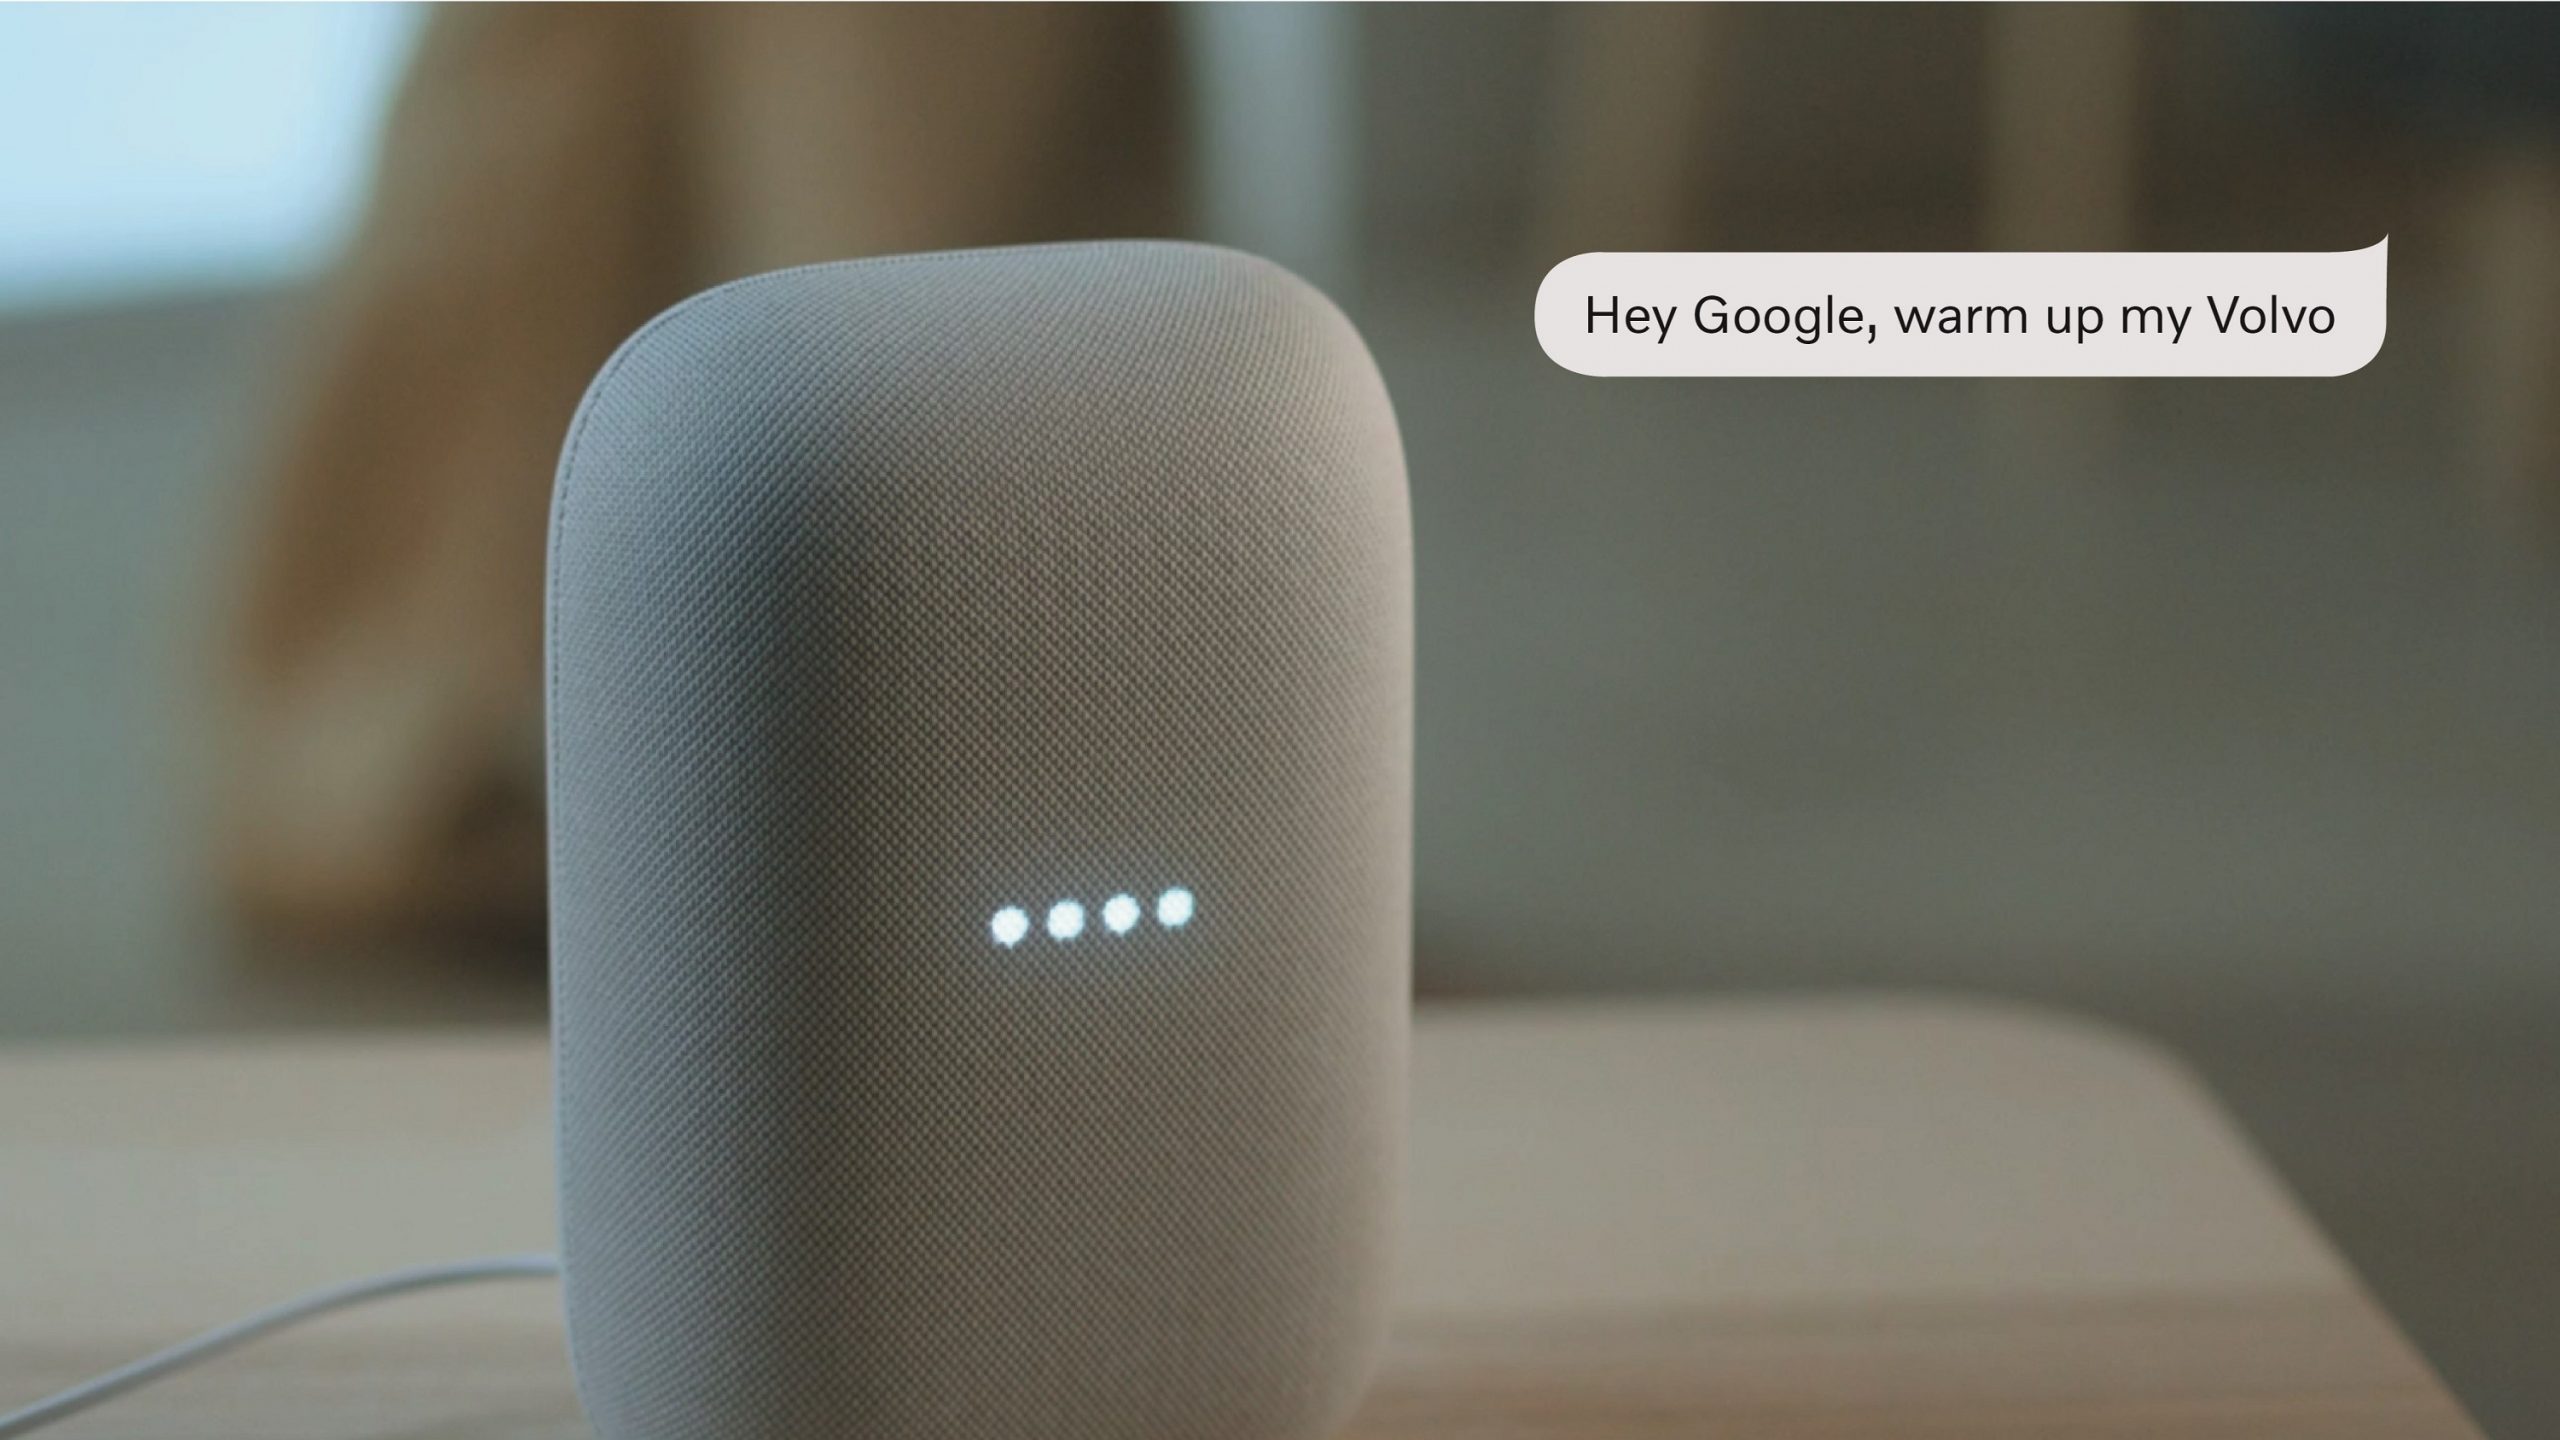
[(979, 745)]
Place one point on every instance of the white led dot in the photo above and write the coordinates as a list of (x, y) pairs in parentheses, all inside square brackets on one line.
[(1120, 914), (1066, 920), (1173, 908), (1010, 925)]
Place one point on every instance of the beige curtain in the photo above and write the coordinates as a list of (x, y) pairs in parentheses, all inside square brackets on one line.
[(552, 176)]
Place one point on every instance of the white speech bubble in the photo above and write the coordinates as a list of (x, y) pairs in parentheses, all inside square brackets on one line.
[(1966, 313)]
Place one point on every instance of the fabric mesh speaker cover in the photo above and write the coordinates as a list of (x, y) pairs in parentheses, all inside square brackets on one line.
[(888, 594)]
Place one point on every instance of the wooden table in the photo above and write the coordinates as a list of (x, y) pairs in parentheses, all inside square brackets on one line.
[(1823, 1220)]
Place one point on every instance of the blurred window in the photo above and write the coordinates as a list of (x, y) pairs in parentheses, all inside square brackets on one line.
[(157, 149)]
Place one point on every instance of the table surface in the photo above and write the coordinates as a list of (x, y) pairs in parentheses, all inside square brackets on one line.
[(1801, 1220)]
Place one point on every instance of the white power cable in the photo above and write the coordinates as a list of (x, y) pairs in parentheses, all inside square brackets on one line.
[(249, 1327)]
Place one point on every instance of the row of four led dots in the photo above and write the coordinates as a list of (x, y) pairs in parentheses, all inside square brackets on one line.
[(1120, 915)]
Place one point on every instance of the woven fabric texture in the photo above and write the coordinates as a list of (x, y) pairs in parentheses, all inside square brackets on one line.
[(888, 594)]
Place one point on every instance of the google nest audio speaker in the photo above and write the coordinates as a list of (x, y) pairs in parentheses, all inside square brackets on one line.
[(979, 744)]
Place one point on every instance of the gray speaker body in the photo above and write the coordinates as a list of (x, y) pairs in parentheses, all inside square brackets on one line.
[(895, 605)]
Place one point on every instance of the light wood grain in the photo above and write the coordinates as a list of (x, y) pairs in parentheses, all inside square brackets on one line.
[(1844, 1220)]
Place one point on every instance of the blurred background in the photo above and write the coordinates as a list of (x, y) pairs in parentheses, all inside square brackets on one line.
[(2221, 709)]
